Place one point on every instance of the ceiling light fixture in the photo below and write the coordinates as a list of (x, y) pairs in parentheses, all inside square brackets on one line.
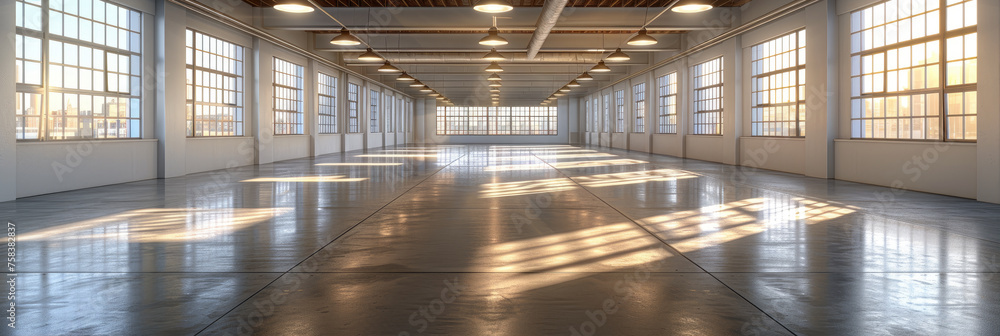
[(618, 55), (493, 38), (493, 77), (585, 76), (495, 84), (493, 55), (564, 89), (642, 39), (426, 89), (494, 67), (558, 94), (369, 55), (416, 84), (345, 38), (493, 6), (388, 68), (434, 94), (293, 6), (691, 6), (573, 83), (600, 67), (405, 77)]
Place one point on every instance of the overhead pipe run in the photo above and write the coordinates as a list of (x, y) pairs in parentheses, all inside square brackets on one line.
[(781, 12), (546, 21), (235, 23)]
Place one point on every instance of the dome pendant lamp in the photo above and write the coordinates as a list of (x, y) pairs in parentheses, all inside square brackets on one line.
[(642, 39), (345, 38), (293, 6), (493, 6)]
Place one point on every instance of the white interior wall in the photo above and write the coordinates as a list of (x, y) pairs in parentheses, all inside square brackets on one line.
[(431, 136), (165, 150), (961, 169)]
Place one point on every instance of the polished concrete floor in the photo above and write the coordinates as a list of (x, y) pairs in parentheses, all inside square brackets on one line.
[(504, 240)]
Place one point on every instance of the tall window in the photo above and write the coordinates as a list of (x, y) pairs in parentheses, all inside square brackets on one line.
[(708, 97), (287, 97), (595, 110), (390, 112), (667, 115), (899, 87), (214, 86), (373, 112), (327, 93), (352, 108), (619, 111), (607, 113), (586, 115), (639, 101), (503, 120), (401, 120), (777, 98), (93, 66)]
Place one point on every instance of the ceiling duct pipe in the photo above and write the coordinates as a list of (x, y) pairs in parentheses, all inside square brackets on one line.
[(546, 21)]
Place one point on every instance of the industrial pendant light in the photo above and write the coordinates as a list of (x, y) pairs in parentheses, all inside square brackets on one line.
[(564, 89), (404, 77), (416, 84), (440, 98), (642, 39), (369, 55), (495, 84), (426, 89), (585, 76), (494, 67), (493, 55), (434, 94), (618, 55), (293, 6), (558, 94), (600, 67), (493, 77), (573, 83), (388, 68), (345, 38), (493, 6), (494, 90), (691, 6), (493, 37)]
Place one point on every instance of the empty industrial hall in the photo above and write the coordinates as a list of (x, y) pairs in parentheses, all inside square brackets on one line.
[(500, 167)]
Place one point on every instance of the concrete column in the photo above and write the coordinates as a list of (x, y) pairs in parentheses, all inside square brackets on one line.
[(8, 141), (822, 83), (171, 107), (988, 147), (263, 128), (732, 102), (309, 103)]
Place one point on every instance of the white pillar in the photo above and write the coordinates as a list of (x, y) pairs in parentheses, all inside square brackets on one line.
[(171, 107), (988, 146), (8, 141)]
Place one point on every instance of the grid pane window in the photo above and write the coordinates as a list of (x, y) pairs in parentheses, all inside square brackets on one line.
[(390, 112), (620, 111), (607, 113), (401, 120), (913, 70), (504, 120), (287, 97), (707, 112), (667, 86), (214, 86), (352, 108), (639, 101), (778, 89), (596, 112), (327, 104), (373, 112), (586, 115), (90, 54)]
